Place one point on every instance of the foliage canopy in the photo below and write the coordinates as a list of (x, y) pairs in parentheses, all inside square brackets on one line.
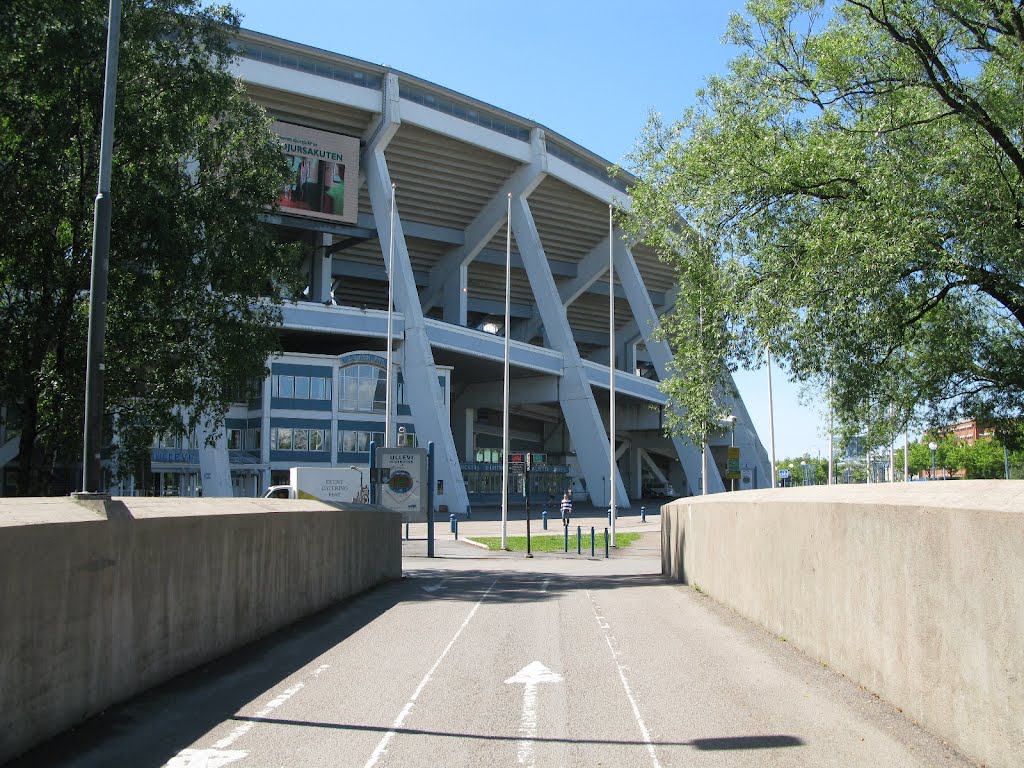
[(195, 278), (859, 173)]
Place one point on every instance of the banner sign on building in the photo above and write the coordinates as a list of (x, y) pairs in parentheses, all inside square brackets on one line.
[(323, 180), (405, 487)]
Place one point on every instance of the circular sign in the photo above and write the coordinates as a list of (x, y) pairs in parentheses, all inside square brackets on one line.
[(400, 481)]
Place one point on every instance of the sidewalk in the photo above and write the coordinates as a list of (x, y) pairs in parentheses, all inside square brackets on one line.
[(486, 522)]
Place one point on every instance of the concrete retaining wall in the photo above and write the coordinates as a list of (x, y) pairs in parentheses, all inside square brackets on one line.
[(914, 590), (98, 604)]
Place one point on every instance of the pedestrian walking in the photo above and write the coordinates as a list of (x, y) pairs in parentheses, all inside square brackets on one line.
[(566, 509)]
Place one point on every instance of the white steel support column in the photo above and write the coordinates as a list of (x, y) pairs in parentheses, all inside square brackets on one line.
[(588, 271), (643, 311), (214, 465), (419, 372), (575, 395), (491, 218)]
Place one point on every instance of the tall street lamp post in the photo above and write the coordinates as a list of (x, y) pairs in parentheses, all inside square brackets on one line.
[(92, 482), (932, 446)]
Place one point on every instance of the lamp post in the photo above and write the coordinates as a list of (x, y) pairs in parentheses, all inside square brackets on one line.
[(92, 467), (803, 471), (932, 446), (360, 471), (791, 467)]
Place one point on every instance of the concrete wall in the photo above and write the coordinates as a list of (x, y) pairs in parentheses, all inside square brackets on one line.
[(913, 590), (98, 604)]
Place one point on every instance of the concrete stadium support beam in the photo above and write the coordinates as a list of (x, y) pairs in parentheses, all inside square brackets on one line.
[(321, 268), (589, 437), (485, 226), (419, 370), (590, 268), (643, 311)]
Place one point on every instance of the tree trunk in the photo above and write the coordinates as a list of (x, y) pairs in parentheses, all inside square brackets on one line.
[(29, 427)]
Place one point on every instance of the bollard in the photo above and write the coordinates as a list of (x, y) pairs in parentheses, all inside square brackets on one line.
[(579, 540), (591, 541), (407, 531), (566, 538), (643, 514), (455, 527), (469, 512), (544, 518), (453, 521), (606, 543)]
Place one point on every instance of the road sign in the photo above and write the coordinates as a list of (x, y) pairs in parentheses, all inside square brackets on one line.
[(783, 474), (732, 466), (536, 460), (517, 462)]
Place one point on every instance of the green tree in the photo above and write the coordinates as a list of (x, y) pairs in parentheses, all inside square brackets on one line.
[(859, 171), (195, 278), (698, 386)]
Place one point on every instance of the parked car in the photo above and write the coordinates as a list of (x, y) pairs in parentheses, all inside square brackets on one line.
[(659, 491)]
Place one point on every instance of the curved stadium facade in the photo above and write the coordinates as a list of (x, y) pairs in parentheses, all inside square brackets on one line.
[(351, 130)]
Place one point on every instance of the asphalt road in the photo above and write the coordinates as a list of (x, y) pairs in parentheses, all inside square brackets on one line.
[(481, 660)]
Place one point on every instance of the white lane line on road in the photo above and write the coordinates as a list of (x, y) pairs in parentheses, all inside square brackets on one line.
[(382, 747), (269, 707), (603, 624), (205, 758)]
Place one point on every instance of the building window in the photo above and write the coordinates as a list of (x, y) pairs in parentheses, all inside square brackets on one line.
[(299, 439), (358, 441), (301, 387), (234, 439), (363, 388)]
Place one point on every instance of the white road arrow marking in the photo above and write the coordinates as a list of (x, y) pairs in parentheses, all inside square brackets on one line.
[(530, 677), (205, 758)]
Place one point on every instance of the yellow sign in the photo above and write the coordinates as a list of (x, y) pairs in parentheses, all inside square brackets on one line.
[(732, 465)]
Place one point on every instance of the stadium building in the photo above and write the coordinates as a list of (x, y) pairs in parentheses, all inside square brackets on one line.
[(352, 130)]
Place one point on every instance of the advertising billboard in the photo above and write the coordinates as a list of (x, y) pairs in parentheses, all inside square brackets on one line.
[(404, 488), (323, 180)]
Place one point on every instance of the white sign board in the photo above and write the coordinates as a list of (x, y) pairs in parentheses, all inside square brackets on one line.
[(783, 473), (405, 487)]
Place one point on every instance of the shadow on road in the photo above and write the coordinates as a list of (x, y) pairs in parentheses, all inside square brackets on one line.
[(147, 731), (704, 745)]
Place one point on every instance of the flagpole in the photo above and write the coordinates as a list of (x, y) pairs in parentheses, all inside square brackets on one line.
[(388, 425), (504, 410), (611, 371), (771, 415), (831, 433)]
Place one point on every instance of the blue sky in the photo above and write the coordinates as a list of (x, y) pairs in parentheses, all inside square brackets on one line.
[(590, 71)]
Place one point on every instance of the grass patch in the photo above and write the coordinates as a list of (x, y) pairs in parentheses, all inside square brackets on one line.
[(549, 543)]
